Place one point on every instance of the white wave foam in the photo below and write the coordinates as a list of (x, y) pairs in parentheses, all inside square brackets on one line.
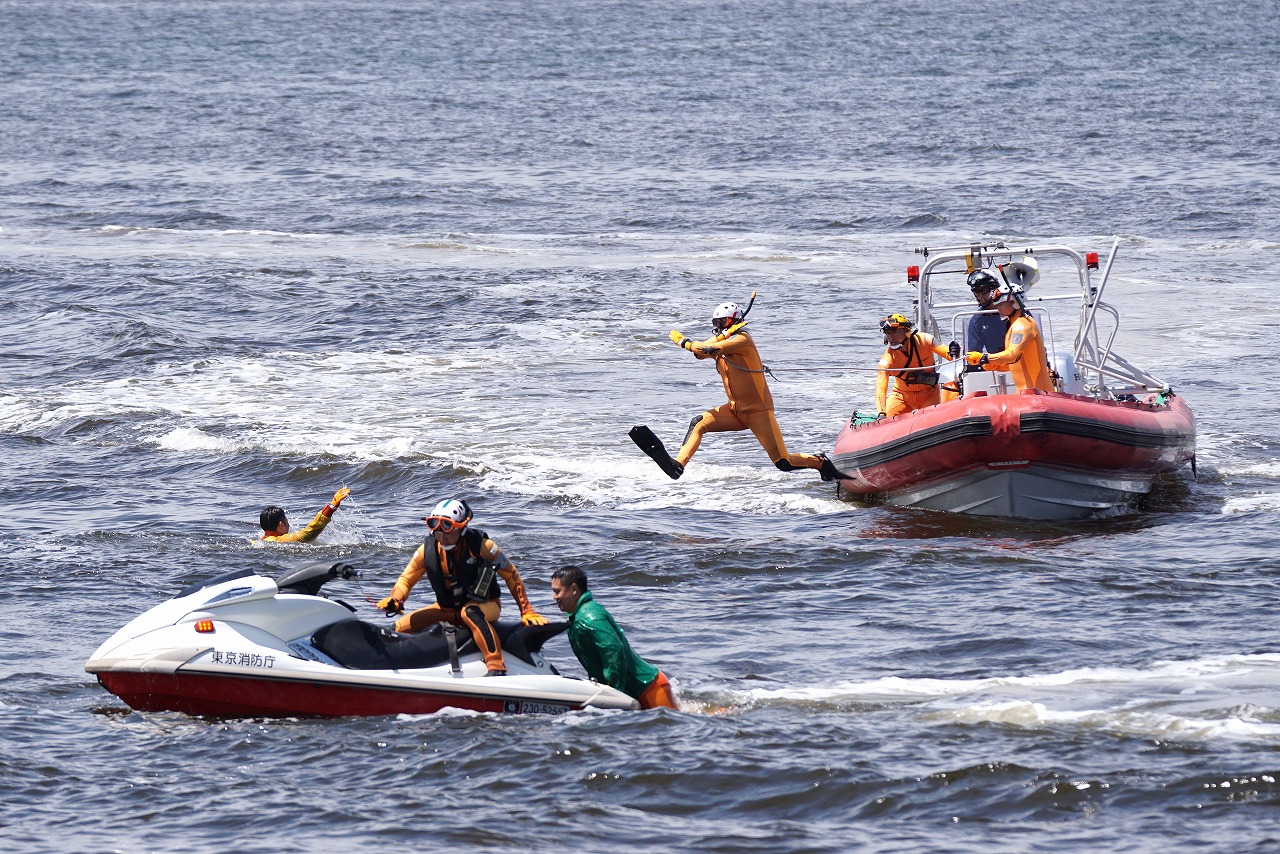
[(1252, 504), (1235, 696), (1267, 469), (631, 481), (1133, 723), (446, 712), (192, 439), (895, 687), (16, 413), (478, 410), (207, 233), (483, 410), (581, 717)]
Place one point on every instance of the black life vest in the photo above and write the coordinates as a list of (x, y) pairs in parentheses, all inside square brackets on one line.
[(926, 377), (470, 576)]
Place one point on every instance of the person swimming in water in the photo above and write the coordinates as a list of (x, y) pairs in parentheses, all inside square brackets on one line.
[(275, 524)]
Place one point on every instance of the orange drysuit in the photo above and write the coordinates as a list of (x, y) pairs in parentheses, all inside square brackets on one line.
[(912, 390), (1023, 354), (750, 405)]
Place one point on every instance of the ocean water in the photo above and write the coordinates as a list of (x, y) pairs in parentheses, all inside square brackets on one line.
[(252, 251)]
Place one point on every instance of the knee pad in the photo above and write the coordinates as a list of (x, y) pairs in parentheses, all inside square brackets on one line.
[(784, 465), (483, 626), (693, 423)]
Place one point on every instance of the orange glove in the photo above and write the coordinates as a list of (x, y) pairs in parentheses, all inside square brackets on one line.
[(975, 358), (338, 496), (533, 618), (391, 606)]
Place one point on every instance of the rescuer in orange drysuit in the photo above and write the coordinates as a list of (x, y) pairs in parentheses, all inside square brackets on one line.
[(460, 563), (750, 405), (1023, 354), (275, 524), (912, 390)]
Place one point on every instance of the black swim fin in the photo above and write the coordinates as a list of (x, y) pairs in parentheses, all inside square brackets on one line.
[(829, 472), (652, 445)]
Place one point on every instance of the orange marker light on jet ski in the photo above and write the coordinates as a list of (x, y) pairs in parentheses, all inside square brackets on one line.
[(1091, 260), (913, 274), (204, 627)]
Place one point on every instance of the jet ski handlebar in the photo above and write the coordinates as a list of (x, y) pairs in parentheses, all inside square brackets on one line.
[(310, 578)]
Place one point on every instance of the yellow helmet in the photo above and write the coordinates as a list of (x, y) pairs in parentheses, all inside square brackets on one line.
[(895, 321)]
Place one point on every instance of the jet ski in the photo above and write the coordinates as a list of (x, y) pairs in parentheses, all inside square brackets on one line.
[(244, 645)]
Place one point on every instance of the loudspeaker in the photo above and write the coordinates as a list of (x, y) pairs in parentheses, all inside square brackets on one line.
[(1025, 272)]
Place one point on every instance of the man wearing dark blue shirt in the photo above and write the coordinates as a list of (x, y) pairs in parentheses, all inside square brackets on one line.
[(985, 332)]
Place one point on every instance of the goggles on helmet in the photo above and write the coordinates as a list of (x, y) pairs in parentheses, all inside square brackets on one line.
[(720, 324), (894, 321), (726, 315), (1008, 293), (444, 524)]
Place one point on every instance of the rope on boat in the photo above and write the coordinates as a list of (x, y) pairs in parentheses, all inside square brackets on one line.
[(875, 370)]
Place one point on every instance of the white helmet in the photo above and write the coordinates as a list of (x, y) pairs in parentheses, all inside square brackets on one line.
[(449, 514), (1008, 293), (725, 315)]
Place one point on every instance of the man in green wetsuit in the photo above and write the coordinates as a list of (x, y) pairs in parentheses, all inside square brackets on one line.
[(602, 648)]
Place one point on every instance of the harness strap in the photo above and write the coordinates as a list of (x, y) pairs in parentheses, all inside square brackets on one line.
[(450, 634), (922, 374)]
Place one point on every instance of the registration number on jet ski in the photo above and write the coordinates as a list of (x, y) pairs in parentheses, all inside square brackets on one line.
[(526, 707)]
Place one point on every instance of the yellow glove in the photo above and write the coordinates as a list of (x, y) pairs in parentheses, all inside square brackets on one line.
[(338, 496), (533, 618), (975, 358), (391, 606), (679, 339)]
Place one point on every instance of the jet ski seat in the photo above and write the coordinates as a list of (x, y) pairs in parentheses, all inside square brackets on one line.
[(358, 645)]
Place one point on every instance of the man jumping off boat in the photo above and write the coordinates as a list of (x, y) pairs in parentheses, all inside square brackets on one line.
[(1023, 354), (460, 563), (750, 405)]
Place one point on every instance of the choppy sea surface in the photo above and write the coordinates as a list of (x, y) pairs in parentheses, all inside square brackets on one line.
[(252, 251)]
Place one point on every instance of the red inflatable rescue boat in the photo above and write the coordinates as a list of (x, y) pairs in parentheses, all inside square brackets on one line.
[(1089, 448)]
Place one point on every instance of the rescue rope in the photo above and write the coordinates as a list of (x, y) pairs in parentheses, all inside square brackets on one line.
[(875, 370), (763, 370), (935, 366), (365, 594)]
